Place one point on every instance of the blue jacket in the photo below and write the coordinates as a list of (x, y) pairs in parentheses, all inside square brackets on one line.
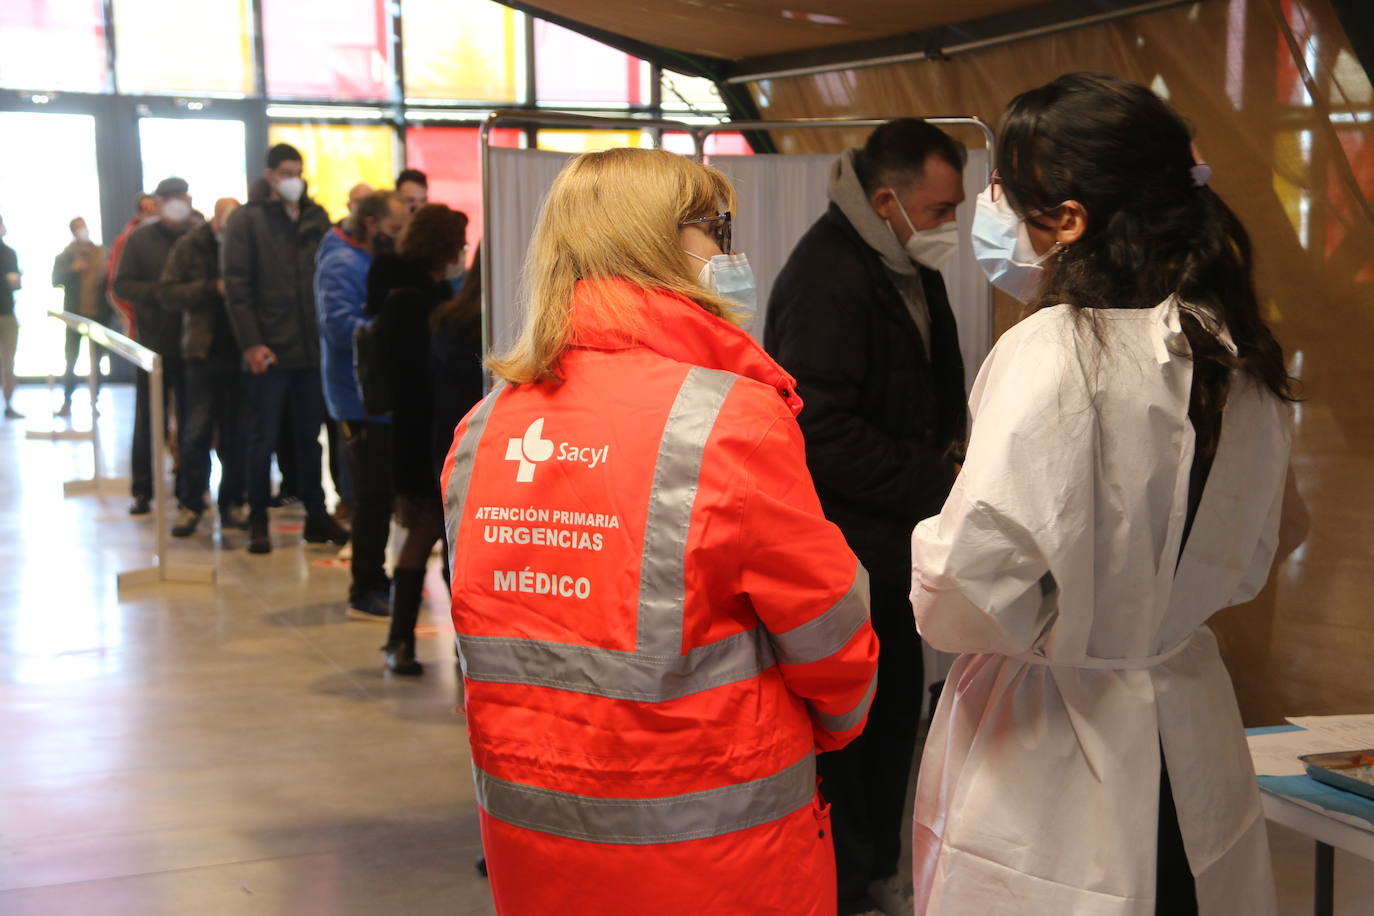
[(340, 295)]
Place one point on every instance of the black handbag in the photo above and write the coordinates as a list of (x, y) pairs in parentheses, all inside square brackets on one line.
[(372, 369)]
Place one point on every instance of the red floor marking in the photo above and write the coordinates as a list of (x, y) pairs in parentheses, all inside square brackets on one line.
[(330, 563)]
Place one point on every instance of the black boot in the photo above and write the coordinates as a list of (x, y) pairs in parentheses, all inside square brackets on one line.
[(321, 529), (399, 651), (259, 539)]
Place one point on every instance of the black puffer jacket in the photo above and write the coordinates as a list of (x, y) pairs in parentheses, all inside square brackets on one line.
[(402, 295), (190, 287), (138, 279), (268, 262), (880, 417)]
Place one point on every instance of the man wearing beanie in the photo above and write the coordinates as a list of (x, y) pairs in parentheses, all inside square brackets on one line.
[(138, 281)]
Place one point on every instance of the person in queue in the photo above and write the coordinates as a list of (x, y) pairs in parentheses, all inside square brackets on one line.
[(214, 410), (403, 290), (1127, 477), (268, 260), (455, 360), (138, 280), (657, 625), (860, 315), (346, 255), (413, 186)]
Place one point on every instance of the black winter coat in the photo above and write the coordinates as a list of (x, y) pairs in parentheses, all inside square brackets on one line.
[(402, 296), (880, 417), (268, 262), (456, 376), (138, 279), (189, 286)]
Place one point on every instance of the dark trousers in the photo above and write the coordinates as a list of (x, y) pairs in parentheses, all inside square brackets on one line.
[(268, 395), (1175, 886), (367, 447), (73, 347), (214, 405), (141, 458), (866, 782), (285, 451), (338, 464)]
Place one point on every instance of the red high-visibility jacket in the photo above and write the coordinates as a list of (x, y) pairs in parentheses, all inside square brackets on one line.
[(657, 626)]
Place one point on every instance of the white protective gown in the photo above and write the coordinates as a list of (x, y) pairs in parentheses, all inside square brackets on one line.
[(1054, 568)]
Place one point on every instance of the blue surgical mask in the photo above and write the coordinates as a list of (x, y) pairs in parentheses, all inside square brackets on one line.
[(731, 276), (1003, 249)]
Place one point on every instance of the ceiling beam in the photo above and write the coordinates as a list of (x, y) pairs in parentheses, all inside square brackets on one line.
[(943, 42)]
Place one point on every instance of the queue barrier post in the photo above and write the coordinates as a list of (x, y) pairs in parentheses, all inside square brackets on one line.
[(163, 569)]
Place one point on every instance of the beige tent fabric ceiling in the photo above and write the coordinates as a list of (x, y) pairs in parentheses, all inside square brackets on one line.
[(751, 28)]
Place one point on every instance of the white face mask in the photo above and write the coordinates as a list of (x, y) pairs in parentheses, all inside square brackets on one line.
[(732, 277), (291, 189), (83, 235), (1003, 248), (928, 247), (176, 211)]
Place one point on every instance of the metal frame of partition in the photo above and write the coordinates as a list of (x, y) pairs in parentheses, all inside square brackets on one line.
[(699, 134), (162, 570)]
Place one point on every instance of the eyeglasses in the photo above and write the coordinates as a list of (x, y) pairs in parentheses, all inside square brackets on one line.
[(718, 227)]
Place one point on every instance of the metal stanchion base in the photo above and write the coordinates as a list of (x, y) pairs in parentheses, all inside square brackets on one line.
[(113, 486), (61, 435), (182, 573)]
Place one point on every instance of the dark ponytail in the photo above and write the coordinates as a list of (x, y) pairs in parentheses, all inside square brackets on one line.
[(1153, 229)]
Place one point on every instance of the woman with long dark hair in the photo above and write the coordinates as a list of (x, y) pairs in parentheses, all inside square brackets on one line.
[(1126, 478), (403, 292)]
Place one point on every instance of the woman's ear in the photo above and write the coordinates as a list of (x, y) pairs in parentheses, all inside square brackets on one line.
[(1071, 223)]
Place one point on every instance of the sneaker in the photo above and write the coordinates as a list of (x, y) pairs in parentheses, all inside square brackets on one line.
[(234, 517), (375, 606), (893, 896), (12, 414), (321, 529), (140, 506), (259, 539), (187, 521)]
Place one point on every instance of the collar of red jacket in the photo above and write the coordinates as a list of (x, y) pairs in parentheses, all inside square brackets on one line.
[(678, 328), (345, 237)]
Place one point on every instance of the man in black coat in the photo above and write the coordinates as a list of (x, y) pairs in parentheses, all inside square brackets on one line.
[(138, 280), (191, 285), (860, 316), (268, 263)]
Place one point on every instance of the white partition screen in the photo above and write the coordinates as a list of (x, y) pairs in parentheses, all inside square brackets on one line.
[(779, 198), (518, 180)]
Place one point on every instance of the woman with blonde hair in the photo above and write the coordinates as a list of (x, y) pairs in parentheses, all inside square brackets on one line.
[(658, 628)]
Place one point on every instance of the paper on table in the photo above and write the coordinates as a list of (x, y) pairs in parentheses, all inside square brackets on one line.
[(1277, 754), (1356, 732)]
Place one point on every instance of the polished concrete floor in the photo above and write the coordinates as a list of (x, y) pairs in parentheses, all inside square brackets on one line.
[(237, 749)]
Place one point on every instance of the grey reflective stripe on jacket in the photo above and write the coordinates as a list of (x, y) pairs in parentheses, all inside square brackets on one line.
[(657, 670), (642, 821)]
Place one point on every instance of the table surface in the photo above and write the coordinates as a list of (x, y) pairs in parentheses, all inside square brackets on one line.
[(1281, 808)]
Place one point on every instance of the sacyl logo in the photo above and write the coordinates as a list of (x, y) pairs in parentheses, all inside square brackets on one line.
[(532, 448)]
